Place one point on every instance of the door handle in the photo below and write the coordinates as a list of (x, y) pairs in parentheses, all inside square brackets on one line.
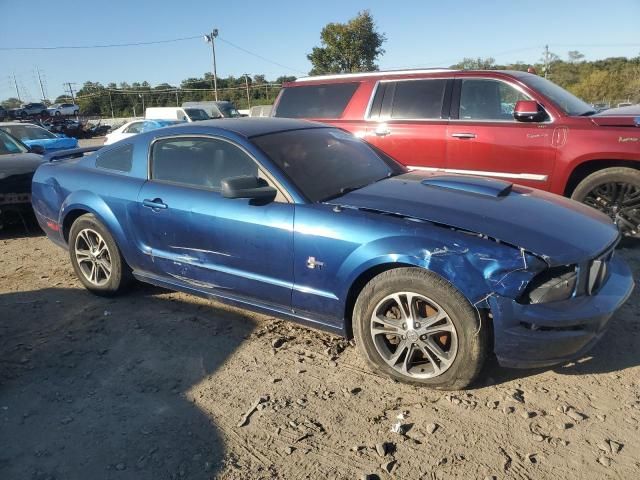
[(382, 131), (463, 135), (156, 203)]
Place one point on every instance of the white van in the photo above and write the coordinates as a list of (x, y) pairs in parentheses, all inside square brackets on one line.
[(176, 113), (220, 109)]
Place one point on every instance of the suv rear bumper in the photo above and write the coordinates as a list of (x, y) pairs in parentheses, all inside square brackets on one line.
[(540, 335)]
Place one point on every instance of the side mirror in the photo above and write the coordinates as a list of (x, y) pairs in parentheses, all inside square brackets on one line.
[(39, 149), (247, 187), (529, 111)]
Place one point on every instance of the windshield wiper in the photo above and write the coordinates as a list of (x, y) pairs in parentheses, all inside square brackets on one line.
[(344, 191), (588, 113)]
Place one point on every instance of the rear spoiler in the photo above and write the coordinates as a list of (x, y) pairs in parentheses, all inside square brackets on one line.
[(71, 153)]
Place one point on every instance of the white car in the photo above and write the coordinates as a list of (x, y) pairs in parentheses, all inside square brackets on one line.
[(133, 128), (63, 109)]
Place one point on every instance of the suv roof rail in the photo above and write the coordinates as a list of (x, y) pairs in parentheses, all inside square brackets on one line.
[(313, 78)]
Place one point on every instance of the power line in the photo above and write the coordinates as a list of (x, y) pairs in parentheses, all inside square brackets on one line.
[(111, 45), (259, 56)]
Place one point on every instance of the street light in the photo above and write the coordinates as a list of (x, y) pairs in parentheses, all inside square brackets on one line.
[(246, 83), (210, 39)]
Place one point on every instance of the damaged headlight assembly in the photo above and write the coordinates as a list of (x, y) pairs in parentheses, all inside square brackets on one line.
[(561, 283)]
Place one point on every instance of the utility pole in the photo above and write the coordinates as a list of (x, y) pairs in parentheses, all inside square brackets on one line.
[(546, 61), (210, 38), (246, 83), (142, 97), (111, 105), (15, 82), (177, 103), (73, 98), (41, 87)]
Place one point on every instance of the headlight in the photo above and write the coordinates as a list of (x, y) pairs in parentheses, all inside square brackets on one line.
[(552, 285)]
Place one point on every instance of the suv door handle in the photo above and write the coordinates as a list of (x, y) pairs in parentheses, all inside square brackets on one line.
[(382, 131), (155, 204), (463, 135)]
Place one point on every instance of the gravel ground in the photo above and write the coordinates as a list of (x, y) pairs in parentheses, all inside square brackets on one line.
[(162, 385)]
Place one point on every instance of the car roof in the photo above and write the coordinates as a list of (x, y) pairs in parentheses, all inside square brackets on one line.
[(400, 74), (254, 126)]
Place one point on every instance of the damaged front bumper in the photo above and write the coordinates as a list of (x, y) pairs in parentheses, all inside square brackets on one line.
[(544, 334)]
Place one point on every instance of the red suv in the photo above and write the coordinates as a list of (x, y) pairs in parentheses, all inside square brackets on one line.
[(505, 124)]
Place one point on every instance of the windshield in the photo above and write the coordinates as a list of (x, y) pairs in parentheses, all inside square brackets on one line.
[(9, 145), (326, 162), (228, 111), (197, 114), (571, 104), (28, 132)]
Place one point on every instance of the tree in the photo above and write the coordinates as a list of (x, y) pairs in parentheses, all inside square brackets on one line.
[(348, 47), (575, 56), (475, 64), (11, 102)]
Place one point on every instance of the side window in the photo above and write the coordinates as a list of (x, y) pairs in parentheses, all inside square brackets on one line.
[(199, 162), (119, 159), (134, 128), (488, 100), (417, 99), (315, 101)]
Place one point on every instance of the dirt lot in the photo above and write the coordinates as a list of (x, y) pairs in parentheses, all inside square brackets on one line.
[(156, 385)]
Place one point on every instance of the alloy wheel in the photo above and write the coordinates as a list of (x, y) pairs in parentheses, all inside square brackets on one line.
[(93, 257), (620, 201), (414, 335)]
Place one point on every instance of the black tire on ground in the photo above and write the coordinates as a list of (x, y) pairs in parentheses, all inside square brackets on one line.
[(76, 113), (120, 275), (43, 113), (473, 332), (614, 191), (58, 113)]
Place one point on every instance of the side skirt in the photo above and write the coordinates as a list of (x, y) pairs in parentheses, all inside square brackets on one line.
[(254, 306)]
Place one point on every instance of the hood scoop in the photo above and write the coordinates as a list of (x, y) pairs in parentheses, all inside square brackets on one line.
[(475, 185)]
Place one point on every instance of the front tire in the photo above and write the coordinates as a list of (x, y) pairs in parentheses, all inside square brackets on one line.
[(413, 326), (615, 192), (96, 258)]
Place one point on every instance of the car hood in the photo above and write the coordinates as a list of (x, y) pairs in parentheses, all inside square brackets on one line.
[(555, 228), (60, 143), (618, 117)]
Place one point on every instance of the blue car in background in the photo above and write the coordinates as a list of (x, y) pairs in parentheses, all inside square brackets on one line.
[(430, 273), (32, 135)]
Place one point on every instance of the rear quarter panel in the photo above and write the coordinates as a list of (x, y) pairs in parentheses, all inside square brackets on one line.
[(61, 190)]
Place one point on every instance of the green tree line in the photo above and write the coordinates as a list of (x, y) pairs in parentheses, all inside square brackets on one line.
[(610, 80)]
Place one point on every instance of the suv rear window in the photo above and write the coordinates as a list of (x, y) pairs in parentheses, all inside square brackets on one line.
[(409, 100), (315, 101)]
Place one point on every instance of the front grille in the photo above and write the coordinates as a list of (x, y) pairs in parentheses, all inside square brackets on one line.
[(597, 272)]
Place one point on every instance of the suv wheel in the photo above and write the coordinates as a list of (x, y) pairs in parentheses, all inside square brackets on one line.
[(615, 192), (58, 113), (96, 258), (413, 326)]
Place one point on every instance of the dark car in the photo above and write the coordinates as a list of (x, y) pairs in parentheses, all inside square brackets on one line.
[(17, 165), (3, 113), (500, 124), (32, 110), (429, 272)]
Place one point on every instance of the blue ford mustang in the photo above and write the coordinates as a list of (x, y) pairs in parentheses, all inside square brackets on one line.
[(429, 273)]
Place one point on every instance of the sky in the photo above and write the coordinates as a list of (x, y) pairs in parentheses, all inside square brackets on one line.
[(279, 35)]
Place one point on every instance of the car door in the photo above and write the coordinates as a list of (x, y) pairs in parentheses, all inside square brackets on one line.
[(194, 236), (408, 120), (484, 138)]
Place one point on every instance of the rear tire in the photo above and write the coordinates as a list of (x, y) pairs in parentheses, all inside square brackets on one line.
[(616, 193), (439, 342), (96, 258)]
